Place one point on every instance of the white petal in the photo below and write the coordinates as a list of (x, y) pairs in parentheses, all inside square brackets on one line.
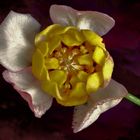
[(29, 88), (64, 15), (96, 21), (17, 33), (98, 103)]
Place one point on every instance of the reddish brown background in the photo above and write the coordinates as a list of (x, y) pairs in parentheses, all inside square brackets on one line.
[(17, 122)]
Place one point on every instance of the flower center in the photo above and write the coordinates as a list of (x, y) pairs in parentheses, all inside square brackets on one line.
[(67, 58), (76, 58)]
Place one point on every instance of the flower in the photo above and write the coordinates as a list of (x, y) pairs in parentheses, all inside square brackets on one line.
[(67, 61)]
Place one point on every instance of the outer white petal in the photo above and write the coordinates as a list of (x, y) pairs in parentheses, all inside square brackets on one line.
[(95, 21), (64, 15), (98, 103), (17, 33), (29, 88), (98, 22)]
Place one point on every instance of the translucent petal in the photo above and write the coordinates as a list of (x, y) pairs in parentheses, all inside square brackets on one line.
[(17, 33), (29, 88), (104, 99)]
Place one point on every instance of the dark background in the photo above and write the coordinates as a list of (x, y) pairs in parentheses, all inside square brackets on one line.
[(122, 122)]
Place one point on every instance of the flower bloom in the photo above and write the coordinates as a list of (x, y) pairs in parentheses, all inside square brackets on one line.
[(70, 63), (67, 61)]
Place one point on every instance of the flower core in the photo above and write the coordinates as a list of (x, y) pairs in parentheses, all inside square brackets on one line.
[(70, 63)]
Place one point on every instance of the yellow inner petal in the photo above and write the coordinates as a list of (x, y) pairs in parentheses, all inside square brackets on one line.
[(37, 63), (53, 44), (99, 55), (108, 68), (49, 32), (44, 74), (43, 47), (79, 90), (51, 88), (72, 38), (93, 38), (58, 76), (74, 80), (85, 59), (77, 96), (52, 63), (82, 76), (94, 81)]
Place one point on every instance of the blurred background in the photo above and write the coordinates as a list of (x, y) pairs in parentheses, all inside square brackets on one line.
[(122, 122)]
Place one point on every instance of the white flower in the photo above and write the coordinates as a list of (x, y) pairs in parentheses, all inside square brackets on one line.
[(17, 35)]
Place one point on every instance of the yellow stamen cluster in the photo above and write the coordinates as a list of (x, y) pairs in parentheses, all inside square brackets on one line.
[(70, 63)]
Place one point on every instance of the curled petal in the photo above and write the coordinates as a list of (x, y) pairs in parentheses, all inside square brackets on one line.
[(29, 88), (17, 33), (104, 99), (98, 22)]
